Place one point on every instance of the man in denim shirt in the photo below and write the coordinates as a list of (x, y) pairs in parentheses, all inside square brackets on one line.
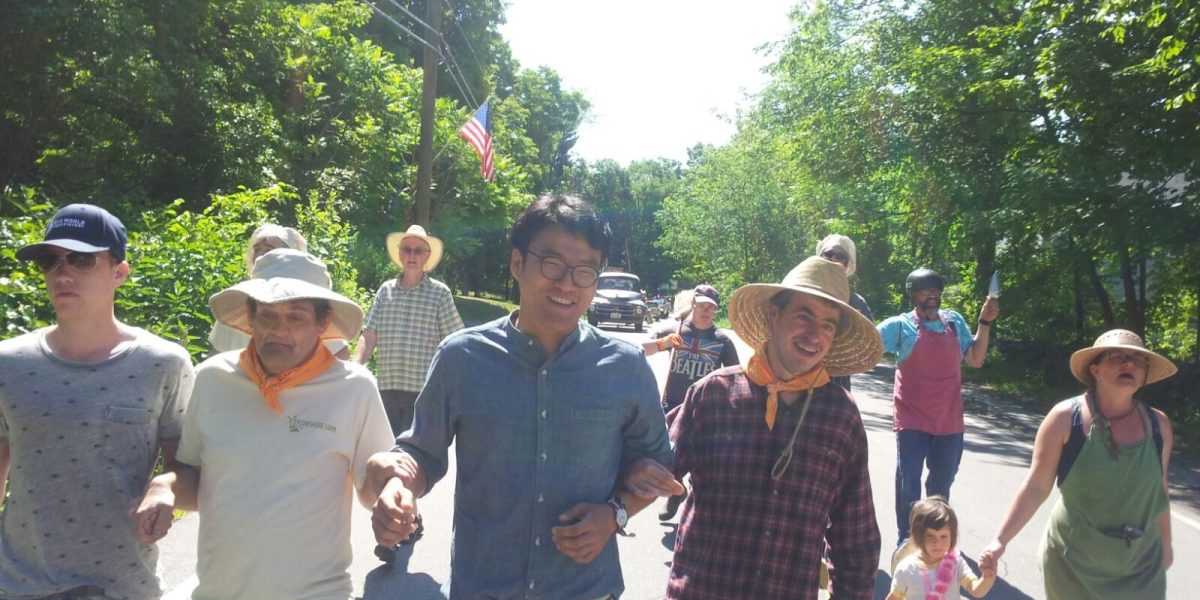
[(546, 411)]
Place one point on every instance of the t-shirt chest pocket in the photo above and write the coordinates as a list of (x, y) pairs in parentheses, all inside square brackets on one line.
[(126, 432)]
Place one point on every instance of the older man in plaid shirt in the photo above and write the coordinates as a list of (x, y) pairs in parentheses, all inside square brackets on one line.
[(777, 453), (410, 316)]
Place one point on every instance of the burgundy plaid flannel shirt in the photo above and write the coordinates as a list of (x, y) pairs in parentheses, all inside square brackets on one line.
[(744, 535)]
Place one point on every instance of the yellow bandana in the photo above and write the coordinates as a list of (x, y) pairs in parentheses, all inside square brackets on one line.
[(759, 371), (272, 385)]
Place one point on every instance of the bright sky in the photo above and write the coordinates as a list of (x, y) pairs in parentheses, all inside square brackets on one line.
[(661, 75)]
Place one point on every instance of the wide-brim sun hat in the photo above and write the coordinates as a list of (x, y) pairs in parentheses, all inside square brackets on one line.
[(284, 275), (435, 246), (1120, 339), (856, 347)]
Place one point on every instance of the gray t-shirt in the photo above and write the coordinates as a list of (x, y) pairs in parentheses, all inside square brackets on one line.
[(83, 439)]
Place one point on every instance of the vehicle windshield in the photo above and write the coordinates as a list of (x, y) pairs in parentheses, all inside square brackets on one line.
[(616, 283)]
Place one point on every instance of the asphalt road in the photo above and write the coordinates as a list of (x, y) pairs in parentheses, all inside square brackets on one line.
[(998, 444)]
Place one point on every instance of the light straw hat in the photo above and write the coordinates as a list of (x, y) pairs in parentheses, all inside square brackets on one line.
[(435, 246), (856, 347), (284, 275), (1120, 339)]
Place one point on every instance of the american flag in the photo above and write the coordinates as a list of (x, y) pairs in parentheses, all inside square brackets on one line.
[(478, 134)]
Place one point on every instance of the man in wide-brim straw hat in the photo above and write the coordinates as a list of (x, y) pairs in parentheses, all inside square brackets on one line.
[(777, 453), (277, 437), (410, 315)]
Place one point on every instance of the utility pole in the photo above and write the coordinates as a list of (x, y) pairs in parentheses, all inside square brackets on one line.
[(433, 17)]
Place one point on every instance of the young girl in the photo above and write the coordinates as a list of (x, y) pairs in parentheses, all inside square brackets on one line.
[(937, 570)]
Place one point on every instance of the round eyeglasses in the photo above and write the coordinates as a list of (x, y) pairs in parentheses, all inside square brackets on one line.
[(555, 269)]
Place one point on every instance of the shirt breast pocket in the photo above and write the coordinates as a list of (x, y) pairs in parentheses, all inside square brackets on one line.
[(596, 441), (127, 435)]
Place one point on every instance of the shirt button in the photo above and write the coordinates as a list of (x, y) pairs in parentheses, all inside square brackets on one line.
[(531, 584), (543, 414), (544, 457), (774, 492), (545, 372), (537, 541), (541, 498)]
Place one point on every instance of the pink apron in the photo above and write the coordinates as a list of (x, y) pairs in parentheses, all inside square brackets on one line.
[(928, 386)]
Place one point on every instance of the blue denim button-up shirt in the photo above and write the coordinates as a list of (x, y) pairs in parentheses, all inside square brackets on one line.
[(535, 435)]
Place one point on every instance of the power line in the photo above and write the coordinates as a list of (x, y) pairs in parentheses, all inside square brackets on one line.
[(466, 39), (454, 64), (403, 28), (456, 75)]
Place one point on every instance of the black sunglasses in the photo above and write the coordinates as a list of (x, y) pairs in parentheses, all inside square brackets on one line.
[(82, 261)]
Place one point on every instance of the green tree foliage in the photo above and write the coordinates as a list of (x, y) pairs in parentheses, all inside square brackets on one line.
[(1050, 140)]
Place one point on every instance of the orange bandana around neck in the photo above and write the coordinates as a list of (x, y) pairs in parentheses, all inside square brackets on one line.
[(272, 385), (759, 371)]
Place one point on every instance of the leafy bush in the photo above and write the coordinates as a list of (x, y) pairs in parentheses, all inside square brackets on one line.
[(178, 259)]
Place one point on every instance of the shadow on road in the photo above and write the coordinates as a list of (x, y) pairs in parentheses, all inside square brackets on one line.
[(394, 581), (668, 539)]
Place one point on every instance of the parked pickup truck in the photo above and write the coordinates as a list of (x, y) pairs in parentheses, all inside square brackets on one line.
[(618, 300)]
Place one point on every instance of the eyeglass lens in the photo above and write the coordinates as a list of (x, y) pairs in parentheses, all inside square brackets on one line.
[(414, 251), (581, 275), (82, 261), (1120, 358)]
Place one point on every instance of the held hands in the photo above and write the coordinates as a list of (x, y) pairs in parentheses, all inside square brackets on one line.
[(586, 530), (394, 516), (647, 478), (153, 513), (990, 310), (671, 340), (989, 559)]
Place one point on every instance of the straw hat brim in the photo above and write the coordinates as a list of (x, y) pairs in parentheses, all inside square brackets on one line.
[(856, 348), (435, 249), (1160, 366), (229, 306)]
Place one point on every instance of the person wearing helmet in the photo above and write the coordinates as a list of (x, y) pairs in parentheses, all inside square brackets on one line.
[(927, 406)]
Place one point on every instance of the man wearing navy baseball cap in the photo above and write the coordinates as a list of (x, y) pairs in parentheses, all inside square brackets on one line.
[(86, 406), (697, 348)]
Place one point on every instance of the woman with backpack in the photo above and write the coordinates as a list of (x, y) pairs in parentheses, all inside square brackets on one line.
[(1109, 534)]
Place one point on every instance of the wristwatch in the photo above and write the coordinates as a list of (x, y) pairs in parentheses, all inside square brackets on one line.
[(619, 514)]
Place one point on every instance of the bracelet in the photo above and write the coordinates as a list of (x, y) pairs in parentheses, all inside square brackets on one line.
[(987, 322)]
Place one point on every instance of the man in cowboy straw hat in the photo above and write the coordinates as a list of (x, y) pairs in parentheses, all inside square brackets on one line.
[(778, 453), (544, 412), (86, 405), (411, 314), (930, 345), (277, 437)]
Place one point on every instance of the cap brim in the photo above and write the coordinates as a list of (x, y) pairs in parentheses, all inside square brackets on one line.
[(33, 250), (856, 348), (705, 300)]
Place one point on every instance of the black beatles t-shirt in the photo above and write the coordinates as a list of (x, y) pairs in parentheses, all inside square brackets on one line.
[(703, 351)]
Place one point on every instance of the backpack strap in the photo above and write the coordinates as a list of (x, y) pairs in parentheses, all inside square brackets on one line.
[(1156, 433), (1074, 443)]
